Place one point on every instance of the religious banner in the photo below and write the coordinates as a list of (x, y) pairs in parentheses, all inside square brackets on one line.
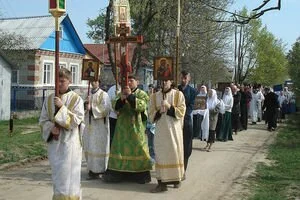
[(121, 13), (163, 68), (90, 70), (200, 103)]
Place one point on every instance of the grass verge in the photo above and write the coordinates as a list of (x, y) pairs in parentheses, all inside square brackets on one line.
[(24, 142), (280, 181)]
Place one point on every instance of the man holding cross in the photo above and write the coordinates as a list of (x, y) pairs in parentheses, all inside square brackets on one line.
[(129, 157)]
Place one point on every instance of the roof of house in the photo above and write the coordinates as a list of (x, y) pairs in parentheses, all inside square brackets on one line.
[(37, 30), (101, 52)]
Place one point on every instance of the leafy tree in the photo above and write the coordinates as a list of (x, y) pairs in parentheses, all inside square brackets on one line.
[(12, 46), (271, 62), (293, 57), (245, 55), (97, 26), (203, 45)]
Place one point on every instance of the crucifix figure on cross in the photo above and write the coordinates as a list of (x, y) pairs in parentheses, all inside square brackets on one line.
[(123, 38)]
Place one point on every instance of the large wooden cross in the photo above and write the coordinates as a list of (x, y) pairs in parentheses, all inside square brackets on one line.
[(123, 39)]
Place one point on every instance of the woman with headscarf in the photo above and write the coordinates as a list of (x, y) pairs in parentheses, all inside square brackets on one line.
[(226, 129), (213, 105)]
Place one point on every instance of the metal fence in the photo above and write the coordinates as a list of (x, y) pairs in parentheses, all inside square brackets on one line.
[(28, 98), (32, 98)]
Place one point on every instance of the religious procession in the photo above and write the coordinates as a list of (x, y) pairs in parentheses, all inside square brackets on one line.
[(131, 108)]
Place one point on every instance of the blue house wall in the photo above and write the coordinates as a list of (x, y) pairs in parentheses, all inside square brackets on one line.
[(70, 42)]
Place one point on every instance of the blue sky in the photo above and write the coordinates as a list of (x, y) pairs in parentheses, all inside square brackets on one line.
[(283, 24)]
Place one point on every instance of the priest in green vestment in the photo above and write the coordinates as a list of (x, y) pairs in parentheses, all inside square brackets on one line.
[(129, 156)]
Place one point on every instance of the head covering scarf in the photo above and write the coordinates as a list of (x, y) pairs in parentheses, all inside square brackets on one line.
[(203, 93), (227, 95), (213, 100)]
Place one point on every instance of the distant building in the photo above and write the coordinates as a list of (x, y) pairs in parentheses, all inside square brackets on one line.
[(34, 64), (5, 89)]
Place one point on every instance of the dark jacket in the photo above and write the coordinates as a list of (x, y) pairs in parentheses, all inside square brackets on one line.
[(236, 109)]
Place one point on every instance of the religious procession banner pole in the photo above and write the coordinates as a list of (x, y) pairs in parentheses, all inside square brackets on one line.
[(57, 8), (122, 36), (56, 56)]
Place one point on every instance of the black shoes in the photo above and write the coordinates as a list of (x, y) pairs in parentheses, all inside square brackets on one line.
[(159, 188), (271, 129), (177, 185), (144, 181), (93, 176)]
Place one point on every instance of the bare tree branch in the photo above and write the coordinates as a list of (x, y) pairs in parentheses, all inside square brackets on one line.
[(239, 19), (261, 6)]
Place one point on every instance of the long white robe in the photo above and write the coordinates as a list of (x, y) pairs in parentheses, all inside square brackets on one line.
[(65, 153), (260, 100), (96, 134), (112, 95), (204, 123), (168, 139), (253, 110)]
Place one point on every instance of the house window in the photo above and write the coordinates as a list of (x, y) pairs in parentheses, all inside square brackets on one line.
[(74, 72), (15, 77), (61, 31), (48, 73)]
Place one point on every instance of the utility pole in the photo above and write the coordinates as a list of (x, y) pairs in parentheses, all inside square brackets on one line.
[(234, 77)]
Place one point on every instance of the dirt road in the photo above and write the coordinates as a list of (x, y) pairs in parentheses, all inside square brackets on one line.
[(219, 174)]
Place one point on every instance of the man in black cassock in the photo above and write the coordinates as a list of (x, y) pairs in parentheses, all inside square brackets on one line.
[(189, 95), (271, 105)]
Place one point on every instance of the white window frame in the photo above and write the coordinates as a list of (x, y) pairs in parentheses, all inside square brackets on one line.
[(18, 77), (51, 63), (76, 65)]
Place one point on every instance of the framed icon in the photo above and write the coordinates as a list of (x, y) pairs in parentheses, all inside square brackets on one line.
[(90, 70), (123, 14), (200, 103), (163, 68)]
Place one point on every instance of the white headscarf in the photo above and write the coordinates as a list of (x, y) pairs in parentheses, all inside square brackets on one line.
[(227, 95), (228, 99), (213, 100), (203, 93)]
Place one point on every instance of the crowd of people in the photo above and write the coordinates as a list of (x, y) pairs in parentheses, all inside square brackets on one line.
[(124, 133)]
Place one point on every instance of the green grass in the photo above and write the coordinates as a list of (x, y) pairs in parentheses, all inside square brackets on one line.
[(281, 180), (24, 142)]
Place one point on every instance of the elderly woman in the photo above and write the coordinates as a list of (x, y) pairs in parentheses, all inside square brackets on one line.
[(213, 105), (226, 129)]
